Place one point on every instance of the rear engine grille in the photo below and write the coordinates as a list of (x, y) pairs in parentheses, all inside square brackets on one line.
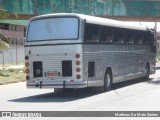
[(37, 69), (67, 68)]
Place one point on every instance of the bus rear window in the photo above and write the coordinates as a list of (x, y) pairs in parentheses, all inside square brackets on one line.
[(53, 29)]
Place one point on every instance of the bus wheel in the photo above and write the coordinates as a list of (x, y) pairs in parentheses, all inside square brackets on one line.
[(107, 81), (58, 90), (147, 72)]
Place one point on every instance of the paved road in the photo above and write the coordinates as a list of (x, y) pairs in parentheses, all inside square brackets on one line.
[(134, 95)]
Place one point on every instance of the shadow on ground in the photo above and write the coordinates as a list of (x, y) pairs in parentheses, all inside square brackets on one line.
[(80, 93), (130, 82), (59, 97)]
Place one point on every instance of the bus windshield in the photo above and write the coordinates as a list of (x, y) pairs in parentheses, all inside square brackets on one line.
[(53, 29)]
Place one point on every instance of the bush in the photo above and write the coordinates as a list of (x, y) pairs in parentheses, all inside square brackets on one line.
[(16, 70), (11, 70)]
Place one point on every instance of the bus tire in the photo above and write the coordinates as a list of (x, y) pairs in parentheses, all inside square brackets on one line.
[(58, 90), (108, 81), (61, 90), (147, 72)]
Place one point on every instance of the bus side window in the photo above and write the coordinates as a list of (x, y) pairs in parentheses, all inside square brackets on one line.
[(128, 36), (119, 35), (132, 38), (107, 35), (92, 33), (139, 37), (146, 38), (152, 42), (96, 33), (115, 35), (88, 33), (136, 37)]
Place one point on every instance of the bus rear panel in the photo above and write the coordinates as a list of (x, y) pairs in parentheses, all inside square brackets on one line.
[(54, 53)]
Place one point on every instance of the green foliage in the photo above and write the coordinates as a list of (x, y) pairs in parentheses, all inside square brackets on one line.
[(12, 70), (16, 70), (12, 76), (4, 14), (3, 42), (4, 73)]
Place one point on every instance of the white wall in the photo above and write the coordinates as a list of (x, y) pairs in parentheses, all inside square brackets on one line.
[(9, 55)]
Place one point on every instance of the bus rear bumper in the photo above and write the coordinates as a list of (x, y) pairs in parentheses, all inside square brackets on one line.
[(57, 84)]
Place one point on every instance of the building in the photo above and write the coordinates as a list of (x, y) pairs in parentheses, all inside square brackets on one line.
[(15, 33)]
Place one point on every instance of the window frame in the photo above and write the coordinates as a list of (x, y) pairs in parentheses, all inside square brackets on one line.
[(126, 34), (78, 32)]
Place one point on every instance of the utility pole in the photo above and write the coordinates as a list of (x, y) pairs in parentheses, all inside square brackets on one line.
[(3, 58), (16, 51)]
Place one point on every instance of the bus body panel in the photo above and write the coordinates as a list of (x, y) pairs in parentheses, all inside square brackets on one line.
[(44, 84), (52, 58), (126, 61)]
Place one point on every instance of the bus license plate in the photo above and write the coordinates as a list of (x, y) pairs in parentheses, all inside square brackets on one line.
[(52, 73)]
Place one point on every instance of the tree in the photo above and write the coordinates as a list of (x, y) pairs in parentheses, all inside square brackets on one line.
[(5, 14), (3, 40)]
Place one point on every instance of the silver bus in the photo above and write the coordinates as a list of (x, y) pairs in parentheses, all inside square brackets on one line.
[(68, 50)]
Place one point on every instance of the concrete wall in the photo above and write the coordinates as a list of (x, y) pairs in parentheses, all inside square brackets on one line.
[(12, 55)]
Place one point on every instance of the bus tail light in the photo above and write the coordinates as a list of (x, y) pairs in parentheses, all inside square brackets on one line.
[(78, 69), (78, 76), (27, 78), (27, 71), (27, 64), (78, 62)]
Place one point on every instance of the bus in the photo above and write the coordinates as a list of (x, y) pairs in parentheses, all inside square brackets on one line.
[(68, 50), (158, 50)]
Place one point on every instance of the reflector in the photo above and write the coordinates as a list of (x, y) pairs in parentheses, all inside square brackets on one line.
[(26, 57)]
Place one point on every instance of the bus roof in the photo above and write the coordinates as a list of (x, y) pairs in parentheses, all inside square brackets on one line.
[(96, 20)]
